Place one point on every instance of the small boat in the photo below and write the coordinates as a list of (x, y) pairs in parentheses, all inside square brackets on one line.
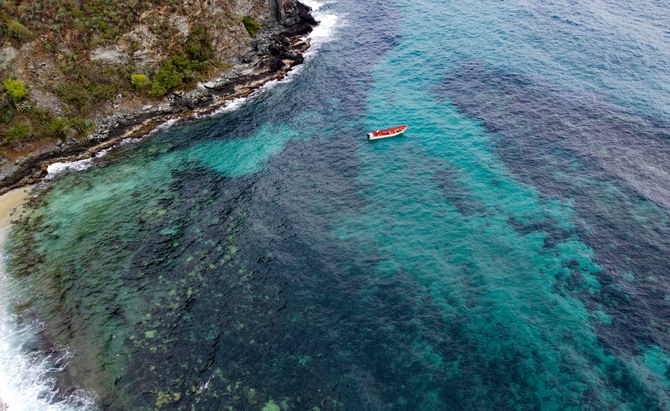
[(389, 132)]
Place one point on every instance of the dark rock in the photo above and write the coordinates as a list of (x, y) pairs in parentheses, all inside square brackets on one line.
[(275, 63), (291, 56), (279, 39), (275, 49), (225, 88), (302, 23), (249, 57)]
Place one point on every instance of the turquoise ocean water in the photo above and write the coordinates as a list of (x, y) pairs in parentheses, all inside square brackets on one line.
[(511, 251)]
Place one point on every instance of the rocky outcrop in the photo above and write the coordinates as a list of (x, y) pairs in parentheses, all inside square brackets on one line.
[(113, 55), (7, 55), (277, 48), (295, 17)]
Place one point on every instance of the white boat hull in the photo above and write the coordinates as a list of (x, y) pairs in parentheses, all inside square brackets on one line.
[(371, 136)]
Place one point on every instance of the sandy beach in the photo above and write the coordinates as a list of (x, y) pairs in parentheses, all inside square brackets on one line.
[(10, 206)]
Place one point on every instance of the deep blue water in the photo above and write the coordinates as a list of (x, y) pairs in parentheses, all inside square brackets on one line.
[(511, 251)]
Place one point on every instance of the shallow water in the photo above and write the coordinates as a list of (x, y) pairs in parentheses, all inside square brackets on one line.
[(510, 251)]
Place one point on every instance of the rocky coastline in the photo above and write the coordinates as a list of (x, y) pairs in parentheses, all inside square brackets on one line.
[(275, 53)]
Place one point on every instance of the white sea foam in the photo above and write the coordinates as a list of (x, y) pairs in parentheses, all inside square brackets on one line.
[(236, 103), (79, 165), (26, 381), (164, 126), (229, 106), (316, 5), (321, 34), (326, 30)]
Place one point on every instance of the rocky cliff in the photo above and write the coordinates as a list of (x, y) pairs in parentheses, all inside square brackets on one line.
[(78, 73)]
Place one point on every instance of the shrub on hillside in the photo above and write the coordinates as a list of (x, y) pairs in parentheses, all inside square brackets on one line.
[(16, 89), (185, 66), (7, 113), (140, 81), (17, 132), (198, 45), (169, 76), (57, 127), (73, 94), (84, 96), (80, 125), (251, 25), (7, 108), (19, 31)]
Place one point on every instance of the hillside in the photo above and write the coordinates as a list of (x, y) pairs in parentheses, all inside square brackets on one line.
[(69, 68)]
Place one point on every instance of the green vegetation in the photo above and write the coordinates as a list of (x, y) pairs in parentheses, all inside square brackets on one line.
[(82, 126), (61, 127), (58, 127), (7, 108), (140, 81), (95, 21), (19, 32), (84, 95), (186, 66), (21, 120), (67, 32), (251, 25), (87, 85), (198, 45), (169, 76), (16, 89), (17, 132)]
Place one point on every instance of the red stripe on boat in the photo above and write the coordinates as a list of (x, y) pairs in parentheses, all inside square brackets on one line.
[(389, 131)]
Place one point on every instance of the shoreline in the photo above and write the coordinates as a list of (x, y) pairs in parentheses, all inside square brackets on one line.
[(182, 106), (19, 180), (11, 204), (15, 196)]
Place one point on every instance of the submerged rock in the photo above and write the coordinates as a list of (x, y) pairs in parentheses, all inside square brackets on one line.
[(271, 406)]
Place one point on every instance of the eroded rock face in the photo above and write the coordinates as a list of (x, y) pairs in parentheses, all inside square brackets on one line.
[(48, 101), (142, 43), (7, 55), (181, 23), (152, 36), (110, 55), (296, 17)]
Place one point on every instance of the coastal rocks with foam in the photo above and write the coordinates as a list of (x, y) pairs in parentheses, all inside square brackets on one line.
[(276, 50), (296, 17)]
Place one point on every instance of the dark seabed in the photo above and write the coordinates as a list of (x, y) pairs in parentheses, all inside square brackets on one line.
[(511, 251)]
